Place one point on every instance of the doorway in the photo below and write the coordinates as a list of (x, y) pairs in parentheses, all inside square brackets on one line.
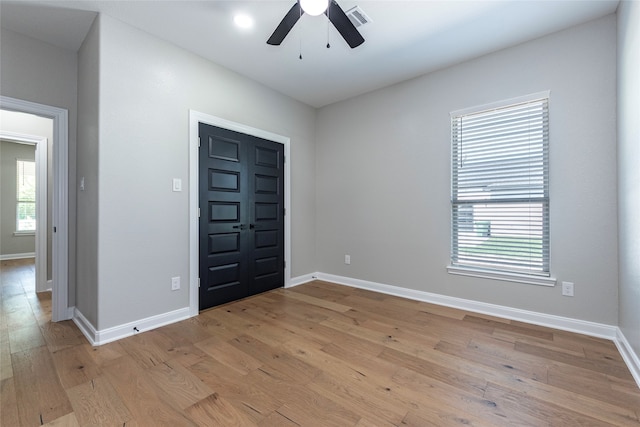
[(60, 309), (25, 193), (195, 119), (241, 186)]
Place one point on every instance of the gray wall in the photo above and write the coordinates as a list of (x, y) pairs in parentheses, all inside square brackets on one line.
[(144, 95), (383, 174), (87, 156), (629, 169), (39, 72), (9, 153)]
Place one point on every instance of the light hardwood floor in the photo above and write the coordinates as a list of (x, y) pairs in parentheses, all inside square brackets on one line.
[(319, 354)]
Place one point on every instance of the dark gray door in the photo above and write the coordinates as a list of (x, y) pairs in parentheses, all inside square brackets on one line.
[(241, 215)]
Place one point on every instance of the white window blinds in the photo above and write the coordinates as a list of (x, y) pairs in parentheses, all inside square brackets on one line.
[(500, 188)]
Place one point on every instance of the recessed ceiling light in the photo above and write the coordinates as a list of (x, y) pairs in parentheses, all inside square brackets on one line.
[(243, 20)]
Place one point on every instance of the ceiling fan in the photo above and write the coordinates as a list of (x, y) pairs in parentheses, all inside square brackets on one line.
[(317, 7)]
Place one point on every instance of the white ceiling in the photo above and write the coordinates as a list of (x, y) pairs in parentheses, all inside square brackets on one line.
[(405, 39)]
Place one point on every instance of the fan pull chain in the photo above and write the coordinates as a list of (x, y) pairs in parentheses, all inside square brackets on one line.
[(300, 56), (328, 26)]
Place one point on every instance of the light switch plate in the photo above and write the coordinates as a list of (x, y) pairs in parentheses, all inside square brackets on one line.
[(177, 184)]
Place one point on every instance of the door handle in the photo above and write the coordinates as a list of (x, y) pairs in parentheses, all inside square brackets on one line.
[(241, 226), (252, 226)]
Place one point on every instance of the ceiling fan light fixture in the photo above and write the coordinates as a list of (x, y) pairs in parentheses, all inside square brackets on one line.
[(314, 7)]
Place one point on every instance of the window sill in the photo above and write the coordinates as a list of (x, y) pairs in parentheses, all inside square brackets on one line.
[(24, 233), (496, 275)]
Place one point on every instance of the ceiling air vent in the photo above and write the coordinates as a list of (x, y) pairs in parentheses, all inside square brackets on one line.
[(357, 16)]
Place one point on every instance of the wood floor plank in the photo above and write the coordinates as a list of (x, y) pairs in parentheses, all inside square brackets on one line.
[(229, 355), (215, 410), (256, 403), (180, 384), (9, 415), (425, 391), (541, 410), (256, 321), (97, 402), (68, 420), (6, 369), (508, 327), (319, 354), (275, 419), (276, 359), (25, 337), (430, 417), (61, 335), (589, 383), (594, 408), (361, 397), (613, 369), (148, 349), (500, 359), (142, 396), (75, 366), (106, 353), (322, 290), (369, 420), (475, 383), (307, 407), (40, 396), (329, 305)]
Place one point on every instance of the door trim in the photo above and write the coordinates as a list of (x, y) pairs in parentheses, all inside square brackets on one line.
[(195, 118), (40, 144), (60, 216)]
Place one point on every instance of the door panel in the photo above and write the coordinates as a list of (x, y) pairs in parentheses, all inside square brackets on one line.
[(241, 215), (267, 177)]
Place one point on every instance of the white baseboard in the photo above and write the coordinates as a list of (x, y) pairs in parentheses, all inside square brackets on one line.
[(104, 336), (295, 281), (7, 257), (628, 355)]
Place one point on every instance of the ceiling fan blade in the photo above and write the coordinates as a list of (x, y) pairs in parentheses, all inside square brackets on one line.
[(286, 25), (344, 26)]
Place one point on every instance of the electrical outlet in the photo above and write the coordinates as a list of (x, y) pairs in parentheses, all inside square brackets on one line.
[(347, 259), (567, 289), (175, 283)]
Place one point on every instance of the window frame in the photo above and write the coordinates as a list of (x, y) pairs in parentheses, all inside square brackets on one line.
[(494, 272)]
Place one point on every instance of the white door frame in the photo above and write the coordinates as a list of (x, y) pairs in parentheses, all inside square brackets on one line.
[(40, 144), (60, 246), (195, 118)]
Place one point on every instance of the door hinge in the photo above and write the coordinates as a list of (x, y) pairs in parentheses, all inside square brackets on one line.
[(198, 142), (284, 263), (198, 282), (198, 212), (284, 211), (55, 230)]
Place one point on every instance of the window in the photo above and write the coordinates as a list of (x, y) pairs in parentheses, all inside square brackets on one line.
[(500, 188), (26, 196)]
